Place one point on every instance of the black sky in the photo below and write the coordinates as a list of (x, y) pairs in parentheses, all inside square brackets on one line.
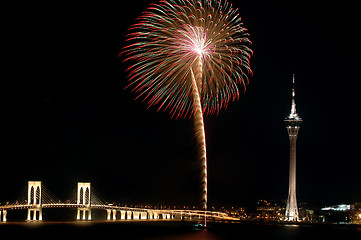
[(66, 117)]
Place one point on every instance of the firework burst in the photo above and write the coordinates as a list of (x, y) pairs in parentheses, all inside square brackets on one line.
[(189, 58)]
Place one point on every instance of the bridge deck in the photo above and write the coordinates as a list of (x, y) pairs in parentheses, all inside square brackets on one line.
[(190, 213)]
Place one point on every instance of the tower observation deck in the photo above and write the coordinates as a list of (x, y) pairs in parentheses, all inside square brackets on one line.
[(293, 124)]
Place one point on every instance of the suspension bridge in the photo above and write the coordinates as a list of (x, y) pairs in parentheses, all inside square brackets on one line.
[(36, 197)]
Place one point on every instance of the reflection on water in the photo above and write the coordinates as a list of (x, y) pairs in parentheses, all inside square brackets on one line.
[(291, 225), (199, 235), (175, 230)]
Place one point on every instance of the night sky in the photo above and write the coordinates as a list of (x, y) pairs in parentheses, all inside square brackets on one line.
[(67, 118)]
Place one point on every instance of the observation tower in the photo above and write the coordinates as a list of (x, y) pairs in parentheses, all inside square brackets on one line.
[(293, 124)]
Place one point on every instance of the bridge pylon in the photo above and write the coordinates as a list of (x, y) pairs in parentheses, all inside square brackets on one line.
[(34, 201), (84, 199), (3, 213)]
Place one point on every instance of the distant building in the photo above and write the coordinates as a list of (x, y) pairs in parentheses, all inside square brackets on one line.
[(356, 213), (306, 214), (268, 211), (336, 214)]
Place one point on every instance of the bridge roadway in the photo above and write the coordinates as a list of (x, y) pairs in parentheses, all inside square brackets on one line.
[(113, 209)]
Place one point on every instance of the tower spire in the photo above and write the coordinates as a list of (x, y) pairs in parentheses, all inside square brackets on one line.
[(293, 114)]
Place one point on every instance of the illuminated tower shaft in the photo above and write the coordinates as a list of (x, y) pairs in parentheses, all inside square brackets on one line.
[(293, 124)]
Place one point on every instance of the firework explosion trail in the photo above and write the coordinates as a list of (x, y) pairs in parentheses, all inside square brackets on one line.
[(189, 58)]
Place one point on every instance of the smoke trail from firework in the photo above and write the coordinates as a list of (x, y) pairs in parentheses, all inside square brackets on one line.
[(189, 58), (199, 128)]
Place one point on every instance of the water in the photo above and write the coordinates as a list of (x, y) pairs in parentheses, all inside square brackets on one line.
[(174, 230)]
